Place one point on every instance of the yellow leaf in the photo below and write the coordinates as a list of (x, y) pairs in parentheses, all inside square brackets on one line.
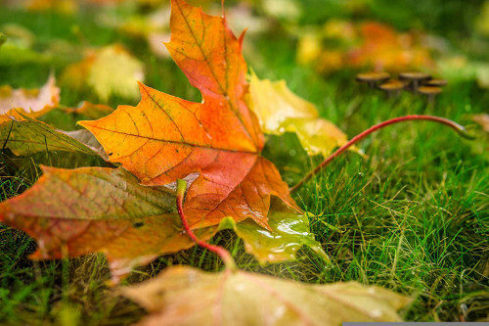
[(108, 71), (280, 110)]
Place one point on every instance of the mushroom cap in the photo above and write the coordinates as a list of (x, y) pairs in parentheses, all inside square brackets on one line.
[(436, 82), (392, 85), (414, 75), (429, 90), (373, 76)]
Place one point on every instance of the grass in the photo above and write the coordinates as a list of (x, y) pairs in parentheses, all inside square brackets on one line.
[(412, 215)]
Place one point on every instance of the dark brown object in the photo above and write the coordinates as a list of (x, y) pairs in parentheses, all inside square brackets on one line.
[(392, 87), (435, 82), (372, 78), (414, 78)]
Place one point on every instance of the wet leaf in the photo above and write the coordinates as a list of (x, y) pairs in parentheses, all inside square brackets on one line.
[(187, 296), (289, 232), (165, 138), (280, 110)]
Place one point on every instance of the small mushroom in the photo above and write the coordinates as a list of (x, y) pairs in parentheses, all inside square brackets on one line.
[(435, 82), (414, 78), (392, 87), (372, 78), (430, 92)]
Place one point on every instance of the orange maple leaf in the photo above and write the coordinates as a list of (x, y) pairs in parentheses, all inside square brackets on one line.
[(165, 138)]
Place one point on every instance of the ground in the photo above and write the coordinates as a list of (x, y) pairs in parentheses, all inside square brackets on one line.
[(411, 215)]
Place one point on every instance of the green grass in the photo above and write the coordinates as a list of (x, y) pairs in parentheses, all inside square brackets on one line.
[(412, 215)]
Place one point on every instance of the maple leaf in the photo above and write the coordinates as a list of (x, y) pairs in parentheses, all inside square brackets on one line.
[(34, 102), (280, 111), (90, 110), (29, 136), (86, 210), (187, 296), (165, 138)]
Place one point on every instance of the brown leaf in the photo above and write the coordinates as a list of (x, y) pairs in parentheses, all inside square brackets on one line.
[(187, 296)]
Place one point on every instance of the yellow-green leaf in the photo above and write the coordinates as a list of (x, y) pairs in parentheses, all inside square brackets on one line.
[(280, 110), (29, 136), (289, 232)]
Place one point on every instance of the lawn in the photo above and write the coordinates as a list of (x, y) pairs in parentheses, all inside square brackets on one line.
[(411, 215)]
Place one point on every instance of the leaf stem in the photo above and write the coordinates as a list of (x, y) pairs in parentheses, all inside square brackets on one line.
[(218, 250), (455, 126)]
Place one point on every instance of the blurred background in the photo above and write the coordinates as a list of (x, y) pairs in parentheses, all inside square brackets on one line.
[(98, 49), (448, 38)]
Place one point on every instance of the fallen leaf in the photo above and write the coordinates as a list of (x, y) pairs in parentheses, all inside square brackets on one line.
[(289, 232), (29, 136), (109, 71), (384, 49), (165, 138), (360, 45), (86, 138), (187, 296), (483, 120), (86, 210), (289, 10), (279, 111), (62, 6), (33, 103), (91, 111)]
